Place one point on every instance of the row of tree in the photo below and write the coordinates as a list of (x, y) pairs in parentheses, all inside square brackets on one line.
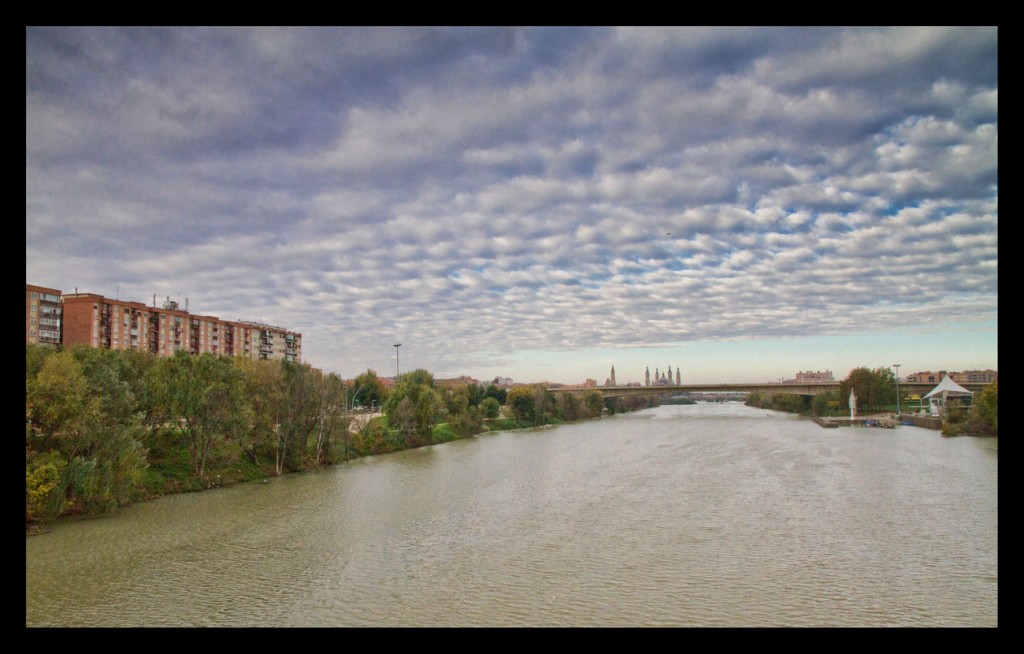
[(104, 427), (96, 419)]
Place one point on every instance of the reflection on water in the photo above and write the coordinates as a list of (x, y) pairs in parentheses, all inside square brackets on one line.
[(700, 515)]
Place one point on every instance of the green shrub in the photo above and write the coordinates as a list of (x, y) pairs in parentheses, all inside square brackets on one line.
[(43, 500), (443, 433)]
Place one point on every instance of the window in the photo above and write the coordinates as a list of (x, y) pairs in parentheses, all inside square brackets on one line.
[(34, 295), (32, 321), (33, 308)]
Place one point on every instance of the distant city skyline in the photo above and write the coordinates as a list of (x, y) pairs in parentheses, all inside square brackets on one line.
[(533, 203)]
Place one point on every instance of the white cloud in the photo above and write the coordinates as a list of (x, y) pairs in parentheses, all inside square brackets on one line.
[(476, 193)]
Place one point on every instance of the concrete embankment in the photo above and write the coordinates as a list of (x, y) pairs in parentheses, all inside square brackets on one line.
[(887, 421), (866, 421), (919, 420)]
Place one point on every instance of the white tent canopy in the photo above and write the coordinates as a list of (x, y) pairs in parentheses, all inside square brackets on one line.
[(949, 386), (938, 398)]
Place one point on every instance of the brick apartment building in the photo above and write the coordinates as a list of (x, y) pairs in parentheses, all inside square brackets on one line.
[(42, 315), (97, 321)]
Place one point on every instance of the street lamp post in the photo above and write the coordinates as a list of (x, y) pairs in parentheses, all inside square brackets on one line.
[(358, 391), (397, 345), (897, 367)]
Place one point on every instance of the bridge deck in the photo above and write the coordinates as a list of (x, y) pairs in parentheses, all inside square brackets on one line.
[(800, 388)]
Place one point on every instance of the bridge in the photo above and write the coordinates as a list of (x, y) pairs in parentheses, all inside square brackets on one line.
[(796, 388)]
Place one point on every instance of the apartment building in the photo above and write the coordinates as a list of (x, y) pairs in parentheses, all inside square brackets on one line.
[(815, 377), (927, 376), (42, 315), (263, 341), (974, 376), (101, 322)]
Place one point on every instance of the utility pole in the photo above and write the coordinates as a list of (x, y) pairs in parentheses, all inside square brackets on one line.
[(897, 367)]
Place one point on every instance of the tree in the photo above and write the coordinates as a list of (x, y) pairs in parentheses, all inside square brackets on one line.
[(475, 394), (874, 388), (297, 418), (490, 408), (368, 390), (35, 355), (533, 403), (520, 403), (569, 407), (58, 405), (419, 376), (203, 395), (414, 406), (594, 402), (496, 392), (464, 418), (83, 433), (986, 405), (262, 383), (331, 425), (827, 403), (112, 452), (543, 404)]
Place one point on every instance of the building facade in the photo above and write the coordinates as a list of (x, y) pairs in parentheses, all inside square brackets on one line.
[(611, 380), (817, 376), (926, 377), (975, 376), (101, 322), (662, 378), (43, 315)]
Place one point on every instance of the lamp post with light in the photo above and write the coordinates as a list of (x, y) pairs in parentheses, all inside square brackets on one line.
[(397, 345)]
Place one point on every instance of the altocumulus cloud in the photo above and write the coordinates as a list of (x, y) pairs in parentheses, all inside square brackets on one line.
[(479, 192)]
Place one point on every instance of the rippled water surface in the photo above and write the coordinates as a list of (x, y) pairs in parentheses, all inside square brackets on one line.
[(701, 515)]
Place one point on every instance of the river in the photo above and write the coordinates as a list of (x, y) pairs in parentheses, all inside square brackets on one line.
[(706, 515)]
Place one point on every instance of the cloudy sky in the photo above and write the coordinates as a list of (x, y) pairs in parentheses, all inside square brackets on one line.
[(533, 203)]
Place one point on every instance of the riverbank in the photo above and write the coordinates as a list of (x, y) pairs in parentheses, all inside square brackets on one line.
[(169, 470)]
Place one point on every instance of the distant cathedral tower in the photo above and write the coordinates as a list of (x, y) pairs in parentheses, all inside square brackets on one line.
[(668, 380), (678, 379), (647, 376), (613, 376)]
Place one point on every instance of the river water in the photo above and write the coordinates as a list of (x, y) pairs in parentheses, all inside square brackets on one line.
[(703, 515)]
